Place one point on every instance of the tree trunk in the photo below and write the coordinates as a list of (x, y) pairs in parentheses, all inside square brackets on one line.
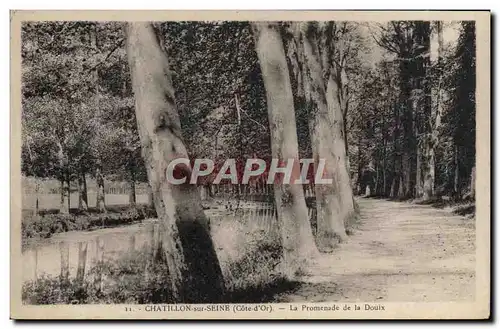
[(82, 203), (473, 183), (203, 192), (64, 178), (337, 135), (384, 172), (384, 179), (337, 97), (85, 191), (37, 200), (37, 181), (333, 201), (131, 189), (344, 129), (422, 106), (298, 242), (194, 270), (436, 112), (100, 198), (397, 154), (368, 190), (359, 169), (150, 196), (392, 193), (408, 150), (384, 155), (65, 203), (401, 193), (408, 154), (419, 186), (131, 193), (376, 188), (456, 180), (100, 194), (68, 189)]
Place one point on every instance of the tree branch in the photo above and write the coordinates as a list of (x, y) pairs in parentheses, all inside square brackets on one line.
[(115, 47)]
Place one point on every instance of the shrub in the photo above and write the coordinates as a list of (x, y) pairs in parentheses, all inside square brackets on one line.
[(50, 290), (123, 281), (48, 224), (253, 277)]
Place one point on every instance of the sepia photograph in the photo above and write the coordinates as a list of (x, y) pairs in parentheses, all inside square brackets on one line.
[(250, 165)]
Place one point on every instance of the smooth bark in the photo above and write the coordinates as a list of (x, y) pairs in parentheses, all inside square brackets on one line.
[(334, 202), (131, 193), (296, 232), (437, 113), (194, 269), (65, 196), (131, 189), (473, 183), (150, 196), (82, 202), (422, 108), (100, 195)]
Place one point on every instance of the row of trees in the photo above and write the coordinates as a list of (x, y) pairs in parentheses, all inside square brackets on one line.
[(78, 117), (313, 85), (78, 107), (402, 125), (412, 126), (186, 240)]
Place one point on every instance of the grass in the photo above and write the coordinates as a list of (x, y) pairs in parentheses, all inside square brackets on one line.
[(123, 281), (457, 207)]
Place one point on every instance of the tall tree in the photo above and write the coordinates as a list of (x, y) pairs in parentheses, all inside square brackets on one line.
[(325, 125), (398, 37), (421, 95), (337, 98), (297, 238), (437, 110), (463, 116), (194, 269)]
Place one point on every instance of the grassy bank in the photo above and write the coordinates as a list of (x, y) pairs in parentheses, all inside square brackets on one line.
[(51, 221)]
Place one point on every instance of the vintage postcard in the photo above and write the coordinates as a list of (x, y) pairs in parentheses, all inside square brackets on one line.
[(250, 164)]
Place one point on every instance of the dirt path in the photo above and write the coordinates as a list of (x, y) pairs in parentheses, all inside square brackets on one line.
[(401, 252)]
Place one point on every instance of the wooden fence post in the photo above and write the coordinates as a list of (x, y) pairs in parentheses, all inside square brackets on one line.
[(82, 261), (271, 220), (254, 218)]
